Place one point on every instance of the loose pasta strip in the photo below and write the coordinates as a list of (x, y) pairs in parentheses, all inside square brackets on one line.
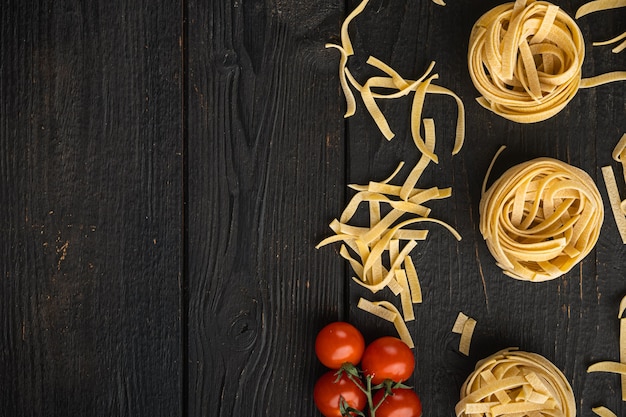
[(615, 201), (540, 218), (525, 59), (511, 382), (413, 279), (616, 367), (464, 326), (598, 5), (619, 48), (379, 253), (394, 81), (387, 311), (603, 412)]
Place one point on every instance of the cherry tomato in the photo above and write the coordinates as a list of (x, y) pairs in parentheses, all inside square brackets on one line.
[(337, 343), (388, 358), (402, 402), (328, 391)]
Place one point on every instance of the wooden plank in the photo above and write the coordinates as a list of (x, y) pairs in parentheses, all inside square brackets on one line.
[(90, 185), (265, 177)]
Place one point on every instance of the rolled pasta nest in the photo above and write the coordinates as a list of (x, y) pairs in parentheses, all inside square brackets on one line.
[(525, 59), (540, 218), (516, 383)]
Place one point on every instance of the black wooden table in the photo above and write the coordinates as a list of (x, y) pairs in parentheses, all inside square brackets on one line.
[(167, 168)]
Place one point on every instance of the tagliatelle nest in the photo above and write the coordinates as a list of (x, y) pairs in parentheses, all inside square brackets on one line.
[(525, 59), (540, 218), (512, 382)]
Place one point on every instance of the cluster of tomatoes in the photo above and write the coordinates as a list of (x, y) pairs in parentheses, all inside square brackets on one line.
[(348, 389)]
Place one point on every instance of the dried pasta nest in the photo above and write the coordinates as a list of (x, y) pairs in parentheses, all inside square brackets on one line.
[(525, 58), (540, 218), (516, 383)]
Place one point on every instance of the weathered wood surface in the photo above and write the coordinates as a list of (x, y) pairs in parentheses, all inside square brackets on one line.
[(168, 167), (91, 224)]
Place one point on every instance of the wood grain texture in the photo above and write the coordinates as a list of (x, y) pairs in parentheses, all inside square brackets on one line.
[(266, 173), (90, 184)]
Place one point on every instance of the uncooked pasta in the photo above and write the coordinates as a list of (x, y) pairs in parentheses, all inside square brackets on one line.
[(525, 59), (516, 383), (540, 218)]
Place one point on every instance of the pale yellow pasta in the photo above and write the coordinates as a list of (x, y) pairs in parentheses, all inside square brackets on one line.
[(405, 295), (393, 80), (525, 59), (377, 310), (464, 326), (619, 48), (379, 253), (414, 283), (540, 218), (399, 324), (459, 323), (616, 367), (615, 201), (598, 5), (603, 412), (512, 382)]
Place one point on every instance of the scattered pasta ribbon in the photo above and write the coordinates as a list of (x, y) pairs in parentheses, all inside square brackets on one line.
[(618, 205), (615, 200), (464, 326), (540, 218), (394, 86), (525, 59), (603, 412), (601, 5), (380, 253), (388, 237), (512, 382), (387, 311), (616, 367)]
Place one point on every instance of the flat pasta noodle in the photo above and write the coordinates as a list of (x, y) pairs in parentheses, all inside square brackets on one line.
[(405, 295), (459, 323), (413, 279), (615, 201), (399, 324), (525, 59), (464, 325), (377, 310), (379, 253), (540, 218), (392, 81), (466, 336), (598, 5), (608, 366), (512, 381), (602, 411), (619, 48), (616, 367)]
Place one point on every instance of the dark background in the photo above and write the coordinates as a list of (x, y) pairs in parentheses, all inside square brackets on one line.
[(167, 167)]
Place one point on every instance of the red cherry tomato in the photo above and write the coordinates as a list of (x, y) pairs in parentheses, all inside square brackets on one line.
[(388, 358), (328, 391), (401, 403), (338, 343)]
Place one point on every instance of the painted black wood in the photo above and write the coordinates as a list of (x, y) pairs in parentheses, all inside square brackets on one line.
[(90, 188), (168, 167)]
